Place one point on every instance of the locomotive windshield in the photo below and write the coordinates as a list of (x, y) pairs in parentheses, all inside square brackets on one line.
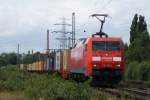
[(106, 46)]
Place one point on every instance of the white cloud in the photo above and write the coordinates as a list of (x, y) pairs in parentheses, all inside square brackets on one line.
[(26, 21)]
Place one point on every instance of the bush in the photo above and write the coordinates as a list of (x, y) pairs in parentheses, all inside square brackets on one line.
[(12, 79), (46, 86), (144, 71), (132, 70), (138, 71)]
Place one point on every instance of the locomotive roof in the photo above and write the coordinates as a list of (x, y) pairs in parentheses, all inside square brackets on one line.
[(107, 39), (113, 39)]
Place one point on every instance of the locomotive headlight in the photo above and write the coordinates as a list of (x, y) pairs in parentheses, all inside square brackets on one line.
[(116, 58), (118, 66), (95, 58), (95, 66)]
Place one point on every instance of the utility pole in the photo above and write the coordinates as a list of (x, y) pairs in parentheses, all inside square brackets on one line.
[(63, 40), (32, 52), (32, 56), (69, 42), (47, 41), (18, 55), (73, 29)]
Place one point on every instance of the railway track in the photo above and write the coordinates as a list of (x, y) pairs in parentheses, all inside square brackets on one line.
[(135, 84), (129, 90), (138, 93), (128, 93)]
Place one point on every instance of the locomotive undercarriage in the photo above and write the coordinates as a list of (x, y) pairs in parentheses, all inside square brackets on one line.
[(106, 76)]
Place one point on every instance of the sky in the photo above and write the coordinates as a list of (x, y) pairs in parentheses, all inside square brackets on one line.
[(26, 21)]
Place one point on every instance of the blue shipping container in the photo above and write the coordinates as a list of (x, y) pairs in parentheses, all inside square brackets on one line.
[(50, 64)]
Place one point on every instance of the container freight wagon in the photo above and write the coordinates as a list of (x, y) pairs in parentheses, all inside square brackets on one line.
[(50, 64), (35, 66), (30, 67), (22, 66), (65, 63), (41, 65), (57, 61)]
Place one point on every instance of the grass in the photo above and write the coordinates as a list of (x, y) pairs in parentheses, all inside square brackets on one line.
[(16, 84), (9, 95)]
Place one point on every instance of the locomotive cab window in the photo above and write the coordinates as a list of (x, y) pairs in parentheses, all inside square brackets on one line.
[(106, 46)]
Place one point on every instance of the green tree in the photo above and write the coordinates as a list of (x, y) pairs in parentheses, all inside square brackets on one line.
[(133, 27), (9, 58), (27, 59), (12, 58), (141, 26), (139, 47), (2, 61)]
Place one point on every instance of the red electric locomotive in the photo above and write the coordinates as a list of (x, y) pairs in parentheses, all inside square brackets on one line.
[(99, 57)]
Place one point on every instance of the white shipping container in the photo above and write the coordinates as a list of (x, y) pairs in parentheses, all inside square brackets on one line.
[(48, 66), (57, 59)]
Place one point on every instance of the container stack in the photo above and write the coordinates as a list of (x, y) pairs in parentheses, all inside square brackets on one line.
[(50, 63), (30, 67), (57, 61), (21, 66), (40, 66), (65, 64)]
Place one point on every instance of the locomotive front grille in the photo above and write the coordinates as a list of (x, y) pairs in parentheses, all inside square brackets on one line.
[(106, 72)]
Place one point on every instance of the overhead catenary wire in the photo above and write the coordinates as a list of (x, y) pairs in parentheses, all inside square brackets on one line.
[(94, 8), (106, 5)]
